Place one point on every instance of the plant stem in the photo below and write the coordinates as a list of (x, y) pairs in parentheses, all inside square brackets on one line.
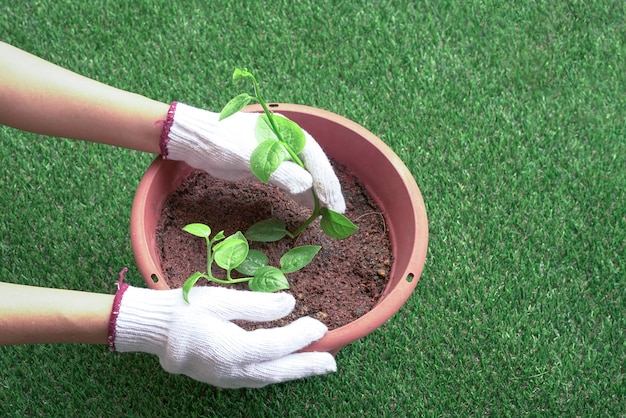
[(208, 276), (270, 118), (314, 216), (209, 255), (231, 281)]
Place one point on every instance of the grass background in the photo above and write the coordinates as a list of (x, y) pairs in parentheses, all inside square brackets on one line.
[(510, 115)]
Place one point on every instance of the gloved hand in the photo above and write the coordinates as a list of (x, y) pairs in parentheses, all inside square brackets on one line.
[(198, 339), (223, 150)]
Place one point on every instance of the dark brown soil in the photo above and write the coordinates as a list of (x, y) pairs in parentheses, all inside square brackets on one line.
[(344, 280)]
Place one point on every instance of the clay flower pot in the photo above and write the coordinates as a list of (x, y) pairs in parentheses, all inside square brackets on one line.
[(385, 177)]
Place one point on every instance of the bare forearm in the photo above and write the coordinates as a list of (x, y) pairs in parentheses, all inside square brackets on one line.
[(33, 315), (40, 97)]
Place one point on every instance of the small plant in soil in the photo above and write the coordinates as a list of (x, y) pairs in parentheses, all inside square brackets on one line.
[(280, 140), (232, 253)]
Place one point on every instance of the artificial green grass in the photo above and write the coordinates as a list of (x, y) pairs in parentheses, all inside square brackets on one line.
[(510, 115)]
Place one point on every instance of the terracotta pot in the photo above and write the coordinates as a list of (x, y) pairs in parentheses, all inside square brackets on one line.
[(385, 177)]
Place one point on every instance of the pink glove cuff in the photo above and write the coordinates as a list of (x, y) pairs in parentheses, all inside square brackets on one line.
[(115, 311), (165, 133)]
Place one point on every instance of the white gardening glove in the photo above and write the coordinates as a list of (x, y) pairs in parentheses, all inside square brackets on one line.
[(223, 149), (198, 339)]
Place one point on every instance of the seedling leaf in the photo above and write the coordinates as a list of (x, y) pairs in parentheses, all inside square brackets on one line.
[(268, 279), (269, 230), (189, 283), (266, 158), (231, 252), (291, 134), (255, 260), (198, 230), (262, 130), (298, 257), (235, 105), (240, 73), (335, 225)]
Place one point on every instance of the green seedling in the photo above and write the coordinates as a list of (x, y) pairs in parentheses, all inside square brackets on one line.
[(233, 253), (280, 139)]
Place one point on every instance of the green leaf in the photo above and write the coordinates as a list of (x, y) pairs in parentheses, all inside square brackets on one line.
[(335, 225), (268, 279), (266, 158), (269, 230), (235, 105), (255, 260), (298, 257), (219, 236), (263, 130), (238, 235), (240, 73), (291, 133), (189, 283), (199, 230), (231, 252)]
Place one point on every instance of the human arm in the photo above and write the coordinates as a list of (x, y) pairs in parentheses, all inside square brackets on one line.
[(36, 315), (40, 97), (197, 340)]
